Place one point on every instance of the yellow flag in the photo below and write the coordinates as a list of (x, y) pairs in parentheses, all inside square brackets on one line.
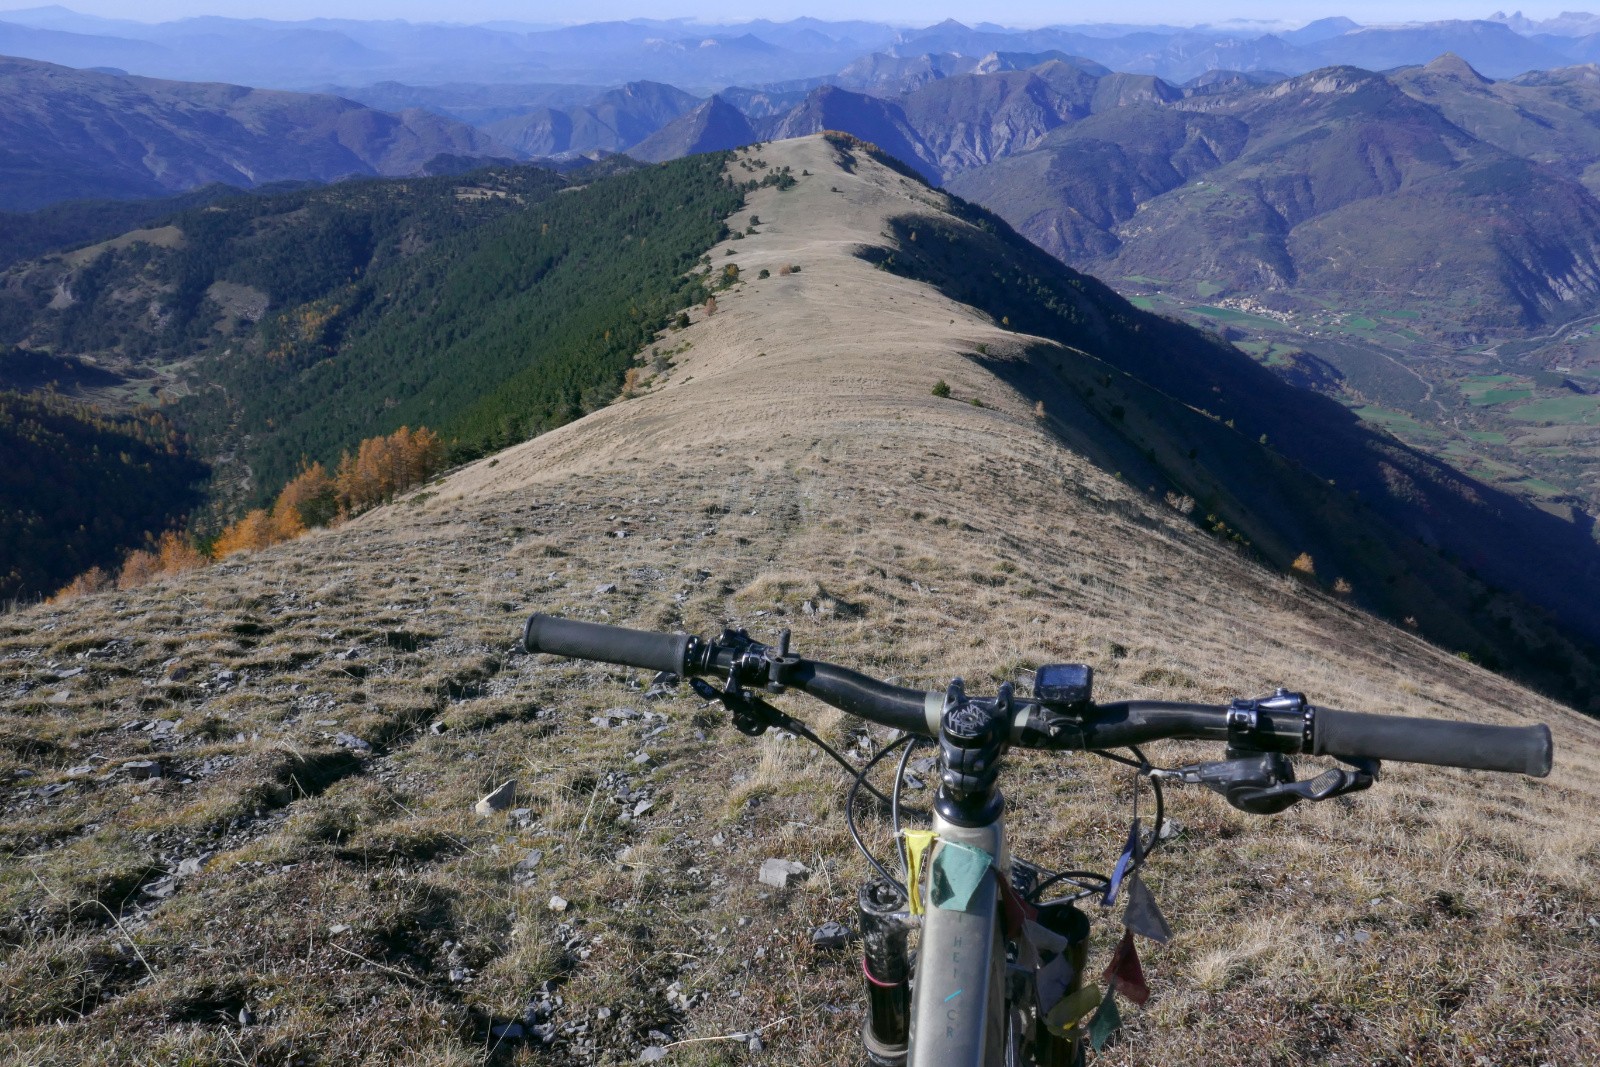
[(1071, 1009), (917, 844)]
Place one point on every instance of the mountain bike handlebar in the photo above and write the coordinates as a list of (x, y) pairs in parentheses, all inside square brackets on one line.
[(608, 644), (1292, 728)]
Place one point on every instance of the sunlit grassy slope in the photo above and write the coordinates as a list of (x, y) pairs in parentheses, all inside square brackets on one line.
[(787, 467)]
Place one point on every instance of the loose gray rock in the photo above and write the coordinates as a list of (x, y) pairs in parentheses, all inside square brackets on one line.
[(352, 742), (499, 800), (143, 768), (776, 873), (558, 903), (508, 1031), (652, 1054), (161, 888), (830, 937), (339, 928), (603, 589), (192, 866)]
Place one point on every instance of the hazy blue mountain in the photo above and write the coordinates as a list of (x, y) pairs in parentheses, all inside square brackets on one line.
[(1227, 81), (713, 126), (882, 122), (612, 122), (760, 53), (472, 103), (1491, 47), (970, 120), (81, 50), (886, 74), (67, 134), (57, 17), (764, 103), (1320, 30), (1566, 24)]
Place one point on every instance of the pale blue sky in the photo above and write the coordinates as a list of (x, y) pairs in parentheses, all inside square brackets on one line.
[(906, 12)]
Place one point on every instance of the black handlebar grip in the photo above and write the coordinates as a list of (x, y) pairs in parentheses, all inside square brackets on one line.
[(1518, 749), (609, 644)]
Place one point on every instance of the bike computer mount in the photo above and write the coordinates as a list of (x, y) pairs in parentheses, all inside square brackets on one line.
[(1262, 782)]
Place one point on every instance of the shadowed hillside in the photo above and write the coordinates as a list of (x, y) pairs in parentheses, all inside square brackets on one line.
[(326, 712)]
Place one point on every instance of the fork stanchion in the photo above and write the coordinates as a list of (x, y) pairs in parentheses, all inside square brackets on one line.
[(886, 968)]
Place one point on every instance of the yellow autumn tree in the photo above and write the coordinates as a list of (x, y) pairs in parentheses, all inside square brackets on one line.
[(138, 568), (176, 554), (93, 580), (385, 466), (249, 534), (286, 521), (312, 495)]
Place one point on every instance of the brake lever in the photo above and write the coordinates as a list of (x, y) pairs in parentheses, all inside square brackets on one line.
[(1263, 783), (1333, 782), (751, 715)]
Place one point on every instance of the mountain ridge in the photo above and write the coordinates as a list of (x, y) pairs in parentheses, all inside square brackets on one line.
[(325, 714)]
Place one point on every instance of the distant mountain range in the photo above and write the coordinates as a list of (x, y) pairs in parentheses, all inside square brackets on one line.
[(68, 134), (1433, 184), (543, 92), (1432, 181), (705, 57)]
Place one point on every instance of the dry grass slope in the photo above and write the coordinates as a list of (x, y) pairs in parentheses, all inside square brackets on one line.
[(326, 712)]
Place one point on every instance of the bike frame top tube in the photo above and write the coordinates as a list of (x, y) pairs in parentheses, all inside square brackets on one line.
[(958, 1012)]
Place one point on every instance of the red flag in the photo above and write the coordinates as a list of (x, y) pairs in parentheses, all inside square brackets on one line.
[(1013, 908), (1124, 972)]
